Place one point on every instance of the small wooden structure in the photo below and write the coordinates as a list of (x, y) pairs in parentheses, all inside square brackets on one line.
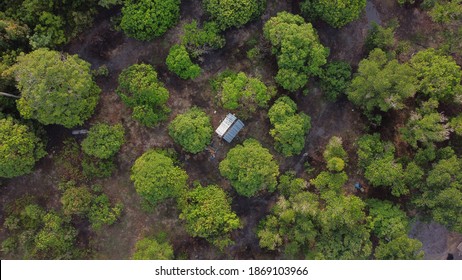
[(229, 128)]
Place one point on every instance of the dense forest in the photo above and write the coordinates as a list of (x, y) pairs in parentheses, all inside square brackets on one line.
[(351, 149)]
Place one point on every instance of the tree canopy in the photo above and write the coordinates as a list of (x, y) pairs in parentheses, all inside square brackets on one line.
[(192, 130), (233, 13), (179, 62), (153, 249), (250, 168), (56, 88), (335, 79), (207, 213), (20, 148), (336, 13), (381, 83), (140, 89), (297, 48), (147, 19), (156, 178), (290, 128), (103, 140)]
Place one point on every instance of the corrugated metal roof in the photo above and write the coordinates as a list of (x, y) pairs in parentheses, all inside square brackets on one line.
[(225, 124), (233, 131)]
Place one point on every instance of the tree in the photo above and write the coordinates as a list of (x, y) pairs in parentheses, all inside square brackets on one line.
[(179, 62), (20, 148), (192, 130), (290, 128), (401, 248), (56, 88), (153, 249), (207, 213), (381, 84), (243, 93), (250, 168), (335, 13), (147, 19), (156, 178), (297, 48), (426, 126), (102, 213), (199, 41), (76, 201), (438, 75), (387, 220), (233, 13), (334, 149), (335, 79), (380, 37), (103, 140), (140, 89), (446, 11), (456, 124)]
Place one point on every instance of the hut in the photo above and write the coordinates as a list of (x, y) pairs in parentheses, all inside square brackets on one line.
[(229, 128)]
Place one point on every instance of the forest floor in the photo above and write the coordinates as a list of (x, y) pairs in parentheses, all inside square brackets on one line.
[(102, 45)]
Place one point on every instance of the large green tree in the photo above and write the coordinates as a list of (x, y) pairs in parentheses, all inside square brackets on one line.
[(56, 88), (290, 127), (192, 130), (156, 177), (233, 13), (153, 249), (20, 148), (207, 213), (298, 50), (147, 19), (140, 89), (381, 83), (439, 75), (336, 13), (401, 248), (103, 140), (250, 168)]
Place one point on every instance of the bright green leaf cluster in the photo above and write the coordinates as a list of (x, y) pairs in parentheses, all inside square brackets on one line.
[(250, 168), (56, 88), (192, 130), (103, 140), (233, 13), (290, 128), (336, 13), (179, 62), (153, 249), (140, 89), (201, 40), (297, 47), (147, 19)]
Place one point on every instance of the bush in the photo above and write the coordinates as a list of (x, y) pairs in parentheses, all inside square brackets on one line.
[(179, 62), (336, 13), (192, 130), (103, 140), (101, 213), (76, 201), (140, 89), (153, 249), (335, 79), (97, 168), (250, 168), (233, 13), (201, 40), (147, 19)]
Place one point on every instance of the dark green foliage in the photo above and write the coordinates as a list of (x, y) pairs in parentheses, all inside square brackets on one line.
[(93, 167), (387, 220), (289, 185), (401, 248), (290, 128), (330, 181), (298, 50), (456, 124), (157, 248), (336, 13), (103, 140), (20, 148), (381, 84), (192, 130), (102, 213), (380, 37), (446, 11), (244, 94), (156, 178), (140, 89), (147, 19), (199, 41), (109, 3), (335, 78), (38, 234), (179, 62), (250, 168), (56, 88), (207, 213), (439, 76), (233, 13)]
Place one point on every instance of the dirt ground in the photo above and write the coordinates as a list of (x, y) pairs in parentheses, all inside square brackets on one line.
[(102, 45)]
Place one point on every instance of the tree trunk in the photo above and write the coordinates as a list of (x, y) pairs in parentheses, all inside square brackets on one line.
[(9, 95)]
